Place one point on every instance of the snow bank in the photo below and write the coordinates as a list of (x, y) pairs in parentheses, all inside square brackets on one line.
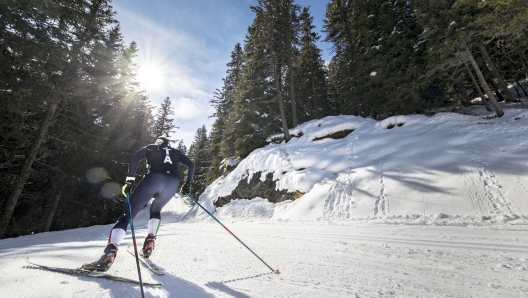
[(467, 168)]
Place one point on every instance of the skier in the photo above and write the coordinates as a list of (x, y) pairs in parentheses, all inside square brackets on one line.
[(161, 183)]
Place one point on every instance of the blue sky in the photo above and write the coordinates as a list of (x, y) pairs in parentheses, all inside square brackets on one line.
[(184, 46)]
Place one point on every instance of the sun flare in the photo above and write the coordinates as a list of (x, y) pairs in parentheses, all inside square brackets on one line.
[(150, 77)]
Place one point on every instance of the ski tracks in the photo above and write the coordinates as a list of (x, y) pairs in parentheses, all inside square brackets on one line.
[(376, 261), (340, 203), (485, 179), (381, 207), (351, 149), (520, 182)]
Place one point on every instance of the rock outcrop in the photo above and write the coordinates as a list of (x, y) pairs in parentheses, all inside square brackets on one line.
[(256, 188)]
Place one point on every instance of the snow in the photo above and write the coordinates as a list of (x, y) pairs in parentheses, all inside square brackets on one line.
[(411, 206), (229, 162), (462, 166)]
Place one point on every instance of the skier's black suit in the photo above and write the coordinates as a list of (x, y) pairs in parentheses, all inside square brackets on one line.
[(161, 181)]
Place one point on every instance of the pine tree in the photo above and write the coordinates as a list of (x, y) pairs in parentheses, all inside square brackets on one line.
[(312, 78), (343, 68), (164, 124), (200, 156), (183, 170), (222, 140), (274, 37), (252, 115)]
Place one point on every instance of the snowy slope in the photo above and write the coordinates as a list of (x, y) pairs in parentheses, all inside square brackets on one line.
[(359, 230), (449, 166)]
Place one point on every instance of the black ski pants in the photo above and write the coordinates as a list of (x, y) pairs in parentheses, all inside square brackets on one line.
[(159, 186)]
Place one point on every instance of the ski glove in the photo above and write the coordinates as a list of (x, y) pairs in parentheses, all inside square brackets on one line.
[(128, 185), (186, 188)]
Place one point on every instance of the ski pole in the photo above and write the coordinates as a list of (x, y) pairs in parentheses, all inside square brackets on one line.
[(276, 271), (134, 241)]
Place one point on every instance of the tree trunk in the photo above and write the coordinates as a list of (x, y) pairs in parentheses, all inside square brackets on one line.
[(525, 69), (315, 100), (491, 66), (292, 89), (5, 218), (463, 95), (279, 96), (494, 103), (292, 92), (51, 211), (499, 94), (523, 62), (517, 91), (482, 97), (524, 90), (464, 99)]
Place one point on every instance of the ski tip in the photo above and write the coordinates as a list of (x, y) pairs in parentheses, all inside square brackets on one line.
[(276, 271)]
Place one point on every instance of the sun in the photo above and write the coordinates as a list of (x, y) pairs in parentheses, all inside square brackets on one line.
[(149, 77)]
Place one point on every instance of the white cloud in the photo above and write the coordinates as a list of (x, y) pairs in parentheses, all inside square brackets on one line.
[(187, 108)]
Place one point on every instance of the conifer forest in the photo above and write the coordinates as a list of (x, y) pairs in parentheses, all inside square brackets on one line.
[(72, 113)]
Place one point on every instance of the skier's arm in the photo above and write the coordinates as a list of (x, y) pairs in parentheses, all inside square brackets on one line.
[(138, 156), (184, 160)]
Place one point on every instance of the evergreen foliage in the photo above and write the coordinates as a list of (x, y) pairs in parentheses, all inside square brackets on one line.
[(390, 57), (379, 57), (221, 142), (275, 81), (199, 154), (72, 119), (164, 125), (73, 116), (311, 82)]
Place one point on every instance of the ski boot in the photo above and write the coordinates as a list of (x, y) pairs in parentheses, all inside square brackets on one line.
[(106, 260), (148, 245)]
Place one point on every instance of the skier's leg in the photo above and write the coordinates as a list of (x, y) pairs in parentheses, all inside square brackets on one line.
[(145, 190), (163, 197), (154, 223)]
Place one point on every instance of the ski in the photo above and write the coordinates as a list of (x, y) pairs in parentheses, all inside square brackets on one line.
[(146, 262), (94, 274)]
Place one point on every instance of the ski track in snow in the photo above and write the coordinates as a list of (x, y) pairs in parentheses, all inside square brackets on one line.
[(382, 202), (522, 184), (316, 259), (486, 178), (472, 188), (351, 150)]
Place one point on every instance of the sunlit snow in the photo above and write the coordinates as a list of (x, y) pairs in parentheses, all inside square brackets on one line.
[(411, 206)]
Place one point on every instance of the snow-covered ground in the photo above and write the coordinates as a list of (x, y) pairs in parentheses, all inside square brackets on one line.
[(436, 207), (316, 259), (445, 168)]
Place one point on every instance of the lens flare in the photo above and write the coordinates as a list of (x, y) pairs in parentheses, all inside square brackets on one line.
[(110, 190), (95, 175)]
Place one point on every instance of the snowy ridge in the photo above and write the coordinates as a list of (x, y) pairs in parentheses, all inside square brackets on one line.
[(445, 167)]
